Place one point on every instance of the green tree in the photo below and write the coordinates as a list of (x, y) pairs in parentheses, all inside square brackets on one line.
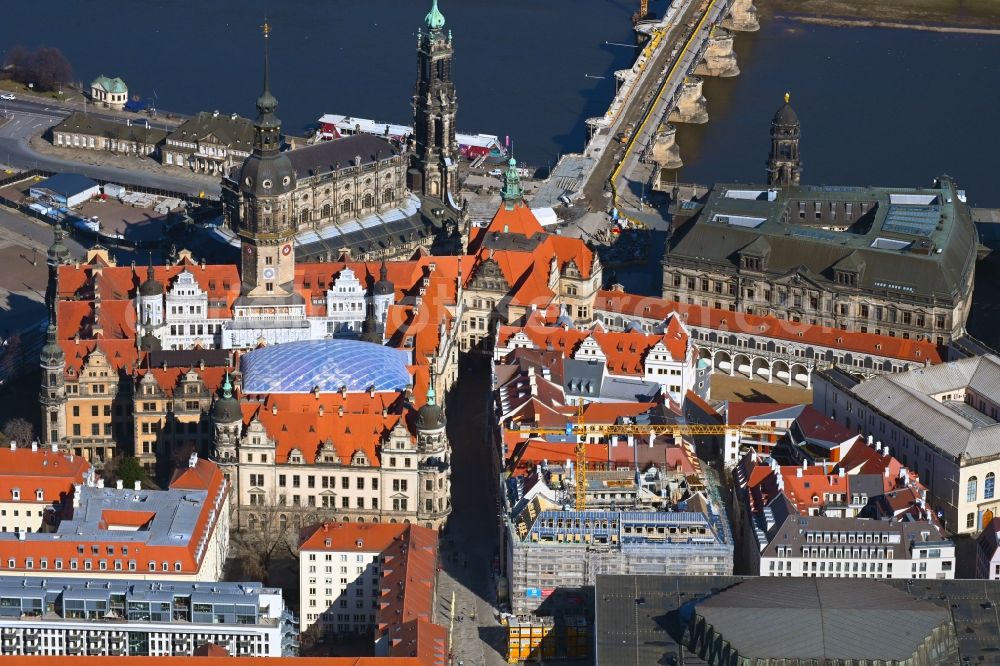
[(129, 471)]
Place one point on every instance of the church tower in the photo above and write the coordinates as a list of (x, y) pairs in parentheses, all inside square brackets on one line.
[(265, 224), (57, 255), (783, 164), (435, 155)]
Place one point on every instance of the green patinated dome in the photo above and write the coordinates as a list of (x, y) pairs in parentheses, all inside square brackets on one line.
[(434, 19)]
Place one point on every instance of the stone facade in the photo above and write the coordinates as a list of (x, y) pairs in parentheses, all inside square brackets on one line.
[(435, 103)]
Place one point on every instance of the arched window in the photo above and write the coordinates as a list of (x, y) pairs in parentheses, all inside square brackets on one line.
[(369, 200), (304, 217), (327, 210), (346, 206), (387, 197), (971, 489), (989, 486)]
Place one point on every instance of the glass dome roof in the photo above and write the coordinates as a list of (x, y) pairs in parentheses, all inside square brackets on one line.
[(298, 367)]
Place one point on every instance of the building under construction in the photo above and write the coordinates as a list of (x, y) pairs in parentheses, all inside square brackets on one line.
[(656, 521)]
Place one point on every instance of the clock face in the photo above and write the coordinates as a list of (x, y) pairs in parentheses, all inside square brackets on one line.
[(268, 273), (249, 249), (286, 250)]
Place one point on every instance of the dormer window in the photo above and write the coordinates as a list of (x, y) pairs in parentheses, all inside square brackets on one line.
[(15, 494), (40, 495)]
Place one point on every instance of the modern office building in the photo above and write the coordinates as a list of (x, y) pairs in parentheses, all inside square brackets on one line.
[(104, 617)]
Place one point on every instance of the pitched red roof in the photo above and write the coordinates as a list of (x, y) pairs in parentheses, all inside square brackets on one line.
[(626, 304)]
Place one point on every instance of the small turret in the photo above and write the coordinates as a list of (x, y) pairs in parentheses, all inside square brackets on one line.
[(512, 193), (226, 408), (430, 416)]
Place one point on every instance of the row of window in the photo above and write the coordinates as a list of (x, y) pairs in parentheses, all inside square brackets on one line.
[(88, 565)]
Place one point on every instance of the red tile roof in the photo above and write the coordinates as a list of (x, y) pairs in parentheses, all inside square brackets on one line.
[(361, 537), (54, 473), (725, 320)]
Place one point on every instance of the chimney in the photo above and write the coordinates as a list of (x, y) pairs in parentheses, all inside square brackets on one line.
[(798, 472), (321, 410), (885, 451), (55, 448), (13, 445), (842, 472), (878, 445), (343, 390), (805, 464), (274, 409), (119, 485), (34, 446), (76, 495), (100, 483), (21, 536), (340, 410), (138, 485), (193, 460)]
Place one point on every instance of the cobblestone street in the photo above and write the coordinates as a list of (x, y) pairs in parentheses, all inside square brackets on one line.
[(471, 539)]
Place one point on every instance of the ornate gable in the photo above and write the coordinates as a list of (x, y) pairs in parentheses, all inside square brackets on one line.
[(487, 276)]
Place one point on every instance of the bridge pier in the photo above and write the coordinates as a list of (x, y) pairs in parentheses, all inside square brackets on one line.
[(692, 107), (742, 17), (665, 152), (719, 58)]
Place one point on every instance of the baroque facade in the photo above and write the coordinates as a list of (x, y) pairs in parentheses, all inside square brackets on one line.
[(890, 261)]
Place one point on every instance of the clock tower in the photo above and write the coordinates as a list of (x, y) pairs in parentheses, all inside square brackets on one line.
[(265, 223)]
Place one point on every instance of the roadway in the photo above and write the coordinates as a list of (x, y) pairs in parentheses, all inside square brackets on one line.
[(632, 174), (28, 117), (595, 190)]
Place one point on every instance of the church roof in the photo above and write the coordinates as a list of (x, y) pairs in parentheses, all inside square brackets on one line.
[(327, 156)]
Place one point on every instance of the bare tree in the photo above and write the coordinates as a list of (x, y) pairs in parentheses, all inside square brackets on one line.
[(19, 430), (46, 68)]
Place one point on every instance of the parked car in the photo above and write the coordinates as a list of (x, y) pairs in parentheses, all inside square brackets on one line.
[(7, 96)]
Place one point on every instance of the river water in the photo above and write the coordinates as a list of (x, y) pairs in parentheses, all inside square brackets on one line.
[(877, 106)]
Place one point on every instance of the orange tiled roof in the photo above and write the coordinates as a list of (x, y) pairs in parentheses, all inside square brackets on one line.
[(724, 320), (295, 421), (372, 537), (54, 473), (625, 351)]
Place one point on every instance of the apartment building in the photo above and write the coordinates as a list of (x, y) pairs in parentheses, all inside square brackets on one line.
[(940, 421), (866, 517), (103, 617), (35, 485), (341, 581)]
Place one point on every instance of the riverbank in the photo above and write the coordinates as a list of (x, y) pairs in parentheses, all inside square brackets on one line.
[(867, 23), (938, 15)]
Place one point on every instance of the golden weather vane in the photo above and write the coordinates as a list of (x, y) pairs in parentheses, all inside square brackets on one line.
[(266, 28), (788, 96)]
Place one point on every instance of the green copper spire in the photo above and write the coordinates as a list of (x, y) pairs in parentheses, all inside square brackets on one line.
[(227, 388), (434, 19), (511, 193)]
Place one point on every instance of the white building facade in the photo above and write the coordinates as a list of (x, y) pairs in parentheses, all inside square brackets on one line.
[(77, 617)]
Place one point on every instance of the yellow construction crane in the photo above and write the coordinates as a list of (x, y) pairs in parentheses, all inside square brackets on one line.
[(581, 429)]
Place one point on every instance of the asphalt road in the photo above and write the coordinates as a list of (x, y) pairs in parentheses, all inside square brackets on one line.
[(28, 117)]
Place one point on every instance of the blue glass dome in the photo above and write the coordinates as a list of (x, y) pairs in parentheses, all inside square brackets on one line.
[(298, 367)]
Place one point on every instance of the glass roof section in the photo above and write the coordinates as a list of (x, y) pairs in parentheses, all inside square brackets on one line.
[(300, 367)]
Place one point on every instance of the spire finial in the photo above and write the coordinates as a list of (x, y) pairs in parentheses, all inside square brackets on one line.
[(431, 395), (434, 19), (227, 386), (788, 96)]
